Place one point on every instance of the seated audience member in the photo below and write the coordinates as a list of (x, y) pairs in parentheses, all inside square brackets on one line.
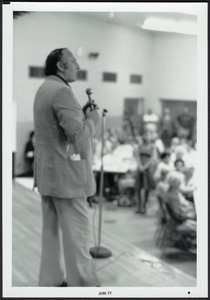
[(179, 165), (181, 152), (97, 148), (120, 132), (191, 178), (175, 141), (162, 166), (190, 144), (188, 184), (108, 142), (126, 128), (179, 208), (190, 153), (162, 185), (184, 141), (112, 138), (29, 152)]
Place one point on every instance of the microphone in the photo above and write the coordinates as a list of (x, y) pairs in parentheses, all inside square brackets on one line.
[(91, 102), (104, 112), (89, 92)]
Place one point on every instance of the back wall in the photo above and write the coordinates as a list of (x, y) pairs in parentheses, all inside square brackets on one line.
[(122, 50)]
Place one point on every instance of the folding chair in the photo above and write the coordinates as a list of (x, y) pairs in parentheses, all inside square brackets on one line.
[(169, 231)]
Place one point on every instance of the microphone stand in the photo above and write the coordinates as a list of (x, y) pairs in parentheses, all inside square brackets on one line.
[(98, 251)]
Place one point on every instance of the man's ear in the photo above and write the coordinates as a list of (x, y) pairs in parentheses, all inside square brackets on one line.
[(60, 66)]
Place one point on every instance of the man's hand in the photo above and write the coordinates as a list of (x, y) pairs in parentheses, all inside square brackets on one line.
[(93, 115), (87, 105), (30, 154)]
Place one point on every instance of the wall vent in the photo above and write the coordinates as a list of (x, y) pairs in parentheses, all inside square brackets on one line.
[(136, 79), (82, 75), (36, 72), (109, 77)]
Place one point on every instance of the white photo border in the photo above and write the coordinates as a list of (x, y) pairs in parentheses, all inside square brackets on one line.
[(201, 289)]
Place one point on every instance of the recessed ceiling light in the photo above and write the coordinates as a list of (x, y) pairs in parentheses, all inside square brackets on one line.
[(111, 14)]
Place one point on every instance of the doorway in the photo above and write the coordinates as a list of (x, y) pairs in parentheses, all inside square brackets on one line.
[(176, 107), (134, 110)]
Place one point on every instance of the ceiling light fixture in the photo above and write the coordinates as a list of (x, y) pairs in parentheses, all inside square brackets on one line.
[(170, 25), (111, 14)]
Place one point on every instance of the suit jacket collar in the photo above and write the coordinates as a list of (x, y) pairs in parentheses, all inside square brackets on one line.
[(58, 79)]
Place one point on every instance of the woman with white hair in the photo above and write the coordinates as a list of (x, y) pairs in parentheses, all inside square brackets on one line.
[(180, 209)]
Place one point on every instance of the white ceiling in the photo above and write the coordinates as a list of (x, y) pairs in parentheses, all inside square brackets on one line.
[(136, 19)]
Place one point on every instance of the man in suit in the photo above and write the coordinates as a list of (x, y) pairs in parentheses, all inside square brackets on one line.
[(63, 174)]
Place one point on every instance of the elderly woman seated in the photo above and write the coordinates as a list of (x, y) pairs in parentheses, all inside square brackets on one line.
[(180, 209)]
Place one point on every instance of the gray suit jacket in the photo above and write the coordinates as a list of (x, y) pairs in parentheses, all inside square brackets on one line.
[(61, 130)]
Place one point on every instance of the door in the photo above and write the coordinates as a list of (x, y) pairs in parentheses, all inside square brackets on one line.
[(134, 109), (176, 107)]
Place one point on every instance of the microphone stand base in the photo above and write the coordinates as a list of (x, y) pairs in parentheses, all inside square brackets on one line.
[(100, 252)]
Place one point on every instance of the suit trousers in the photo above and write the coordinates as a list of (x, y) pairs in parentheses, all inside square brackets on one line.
[(69, 217)]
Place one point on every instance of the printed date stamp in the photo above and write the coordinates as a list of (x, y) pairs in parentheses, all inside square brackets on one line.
[(108, 293)]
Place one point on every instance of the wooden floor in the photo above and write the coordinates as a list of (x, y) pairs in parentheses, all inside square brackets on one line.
[(129, 266)]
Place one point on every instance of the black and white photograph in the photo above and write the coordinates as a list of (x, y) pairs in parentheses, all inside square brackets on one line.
[(105, 149)]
